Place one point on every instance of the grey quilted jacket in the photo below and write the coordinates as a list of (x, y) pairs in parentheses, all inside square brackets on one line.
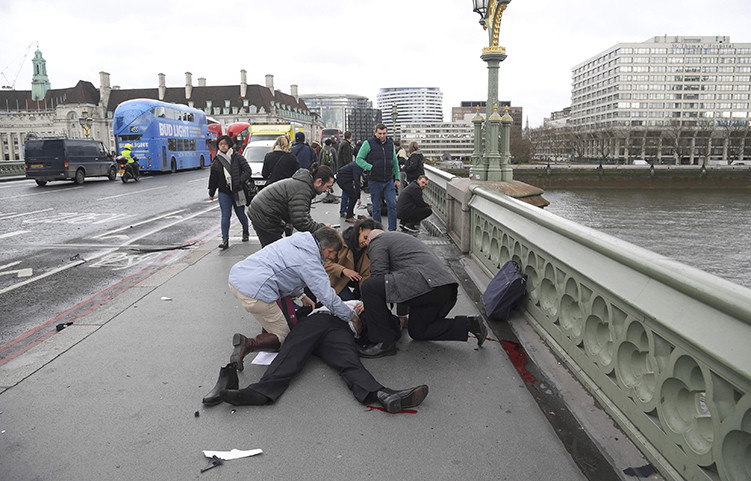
[(285, 201)]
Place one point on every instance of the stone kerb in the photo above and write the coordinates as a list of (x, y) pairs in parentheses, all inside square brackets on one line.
[(662, 346)]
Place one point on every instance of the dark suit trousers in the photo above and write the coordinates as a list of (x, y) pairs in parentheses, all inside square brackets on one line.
[(427, 314), (331, 340), (416, 215)]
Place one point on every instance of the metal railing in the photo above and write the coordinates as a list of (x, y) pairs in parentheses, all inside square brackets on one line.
[(664, 347), (11, 168)]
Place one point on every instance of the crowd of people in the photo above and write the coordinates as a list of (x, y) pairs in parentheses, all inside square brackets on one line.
[(328, 293)]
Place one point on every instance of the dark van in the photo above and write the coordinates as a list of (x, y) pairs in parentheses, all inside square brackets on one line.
[(61, 159)]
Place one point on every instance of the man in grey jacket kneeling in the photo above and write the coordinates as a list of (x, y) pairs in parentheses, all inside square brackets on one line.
[(405, 271)]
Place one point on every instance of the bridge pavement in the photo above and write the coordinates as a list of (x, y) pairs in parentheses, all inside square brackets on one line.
[(117, 396)]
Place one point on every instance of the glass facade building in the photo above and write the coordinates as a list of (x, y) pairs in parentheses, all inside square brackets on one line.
[(413, 104)]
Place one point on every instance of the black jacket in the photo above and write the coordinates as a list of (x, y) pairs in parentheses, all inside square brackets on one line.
[(410, 198), (345, 154), (415, 166), (279, 165), (239, 171)]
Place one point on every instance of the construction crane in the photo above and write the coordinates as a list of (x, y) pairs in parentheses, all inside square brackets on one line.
[(12, 85)]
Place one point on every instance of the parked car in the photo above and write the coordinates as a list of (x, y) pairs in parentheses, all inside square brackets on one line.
[(61, 159), (640, 162)]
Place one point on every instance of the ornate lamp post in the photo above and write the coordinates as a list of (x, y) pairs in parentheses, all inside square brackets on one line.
[(85, 122), (394, 115), (491, 12), (478, 171)]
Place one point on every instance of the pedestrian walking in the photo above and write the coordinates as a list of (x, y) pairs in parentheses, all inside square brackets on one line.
[(229, 170), (279, 163), (377, 156)]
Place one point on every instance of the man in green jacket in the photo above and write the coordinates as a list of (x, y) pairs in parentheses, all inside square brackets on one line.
[(378, 158)]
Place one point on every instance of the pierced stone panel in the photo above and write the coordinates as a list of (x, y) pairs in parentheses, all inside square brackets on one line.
[(571, 316), (733, 447), (549, 293), (598, 334), (683, 408), (640, 358), (533, 278)]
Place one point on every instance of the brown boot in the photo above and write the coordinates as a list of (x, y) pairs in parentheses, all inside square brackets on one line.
[(244, 345)]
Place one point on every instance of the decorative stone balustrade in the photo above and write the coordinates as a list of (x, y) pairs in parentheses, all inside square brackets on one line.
[(663, 347)]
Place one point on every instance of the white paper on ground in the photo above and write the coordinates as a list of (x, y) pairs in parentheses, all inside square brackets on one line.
[(234, 454), (264, 358)]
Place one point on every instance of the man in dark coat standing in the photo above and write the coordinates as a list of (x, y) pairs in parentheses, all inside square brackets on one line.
[(405, 271), (304, 152), (411, 208)]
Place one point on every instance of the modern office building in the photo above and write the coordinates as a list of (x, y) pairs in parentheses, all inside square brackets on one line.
[(661, 81), (345, 112), (674, 99), (436, 139), (410, 104)]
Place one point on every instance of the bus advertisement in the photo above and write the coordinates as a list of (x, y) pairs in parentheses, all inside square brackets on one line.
[(164, 136)]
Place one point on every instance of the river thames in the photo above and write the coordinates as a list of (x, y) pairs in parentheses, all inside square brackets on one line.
[(707, 229)]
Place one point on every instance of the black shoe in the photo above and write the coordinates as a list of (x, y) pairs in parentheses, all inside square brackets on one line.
[(411, 228), (342, 214), (227, 380), (378, 350), (246, 236), (478, 328), (244, 397), (224, 244), (394, 401)]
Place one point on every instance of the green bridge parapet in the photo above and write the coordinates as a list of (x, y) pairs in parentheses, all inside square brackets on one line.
[(664, 347)]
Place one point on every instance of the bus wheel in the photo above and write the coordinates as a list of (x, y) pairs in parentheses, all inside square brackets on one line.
[(203, 162), (79, 177), (41, 183), (113, 174), (173, 165)]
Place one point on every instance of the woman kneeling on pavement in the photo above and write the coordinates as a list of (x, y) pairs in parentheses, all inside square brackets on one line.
[(351, 265)]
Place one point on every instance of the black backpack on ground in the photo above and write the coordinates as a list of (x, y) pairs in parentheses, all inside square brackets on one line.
[(505, 291)]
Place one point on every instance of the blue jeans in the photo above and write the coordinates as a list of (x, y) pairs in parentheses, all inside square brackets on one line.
[(345, 201), (227, 204), (387, 192)]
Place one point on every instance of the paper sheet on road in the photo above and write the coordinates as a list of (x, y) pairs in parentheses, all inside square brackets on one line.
[(234, 454), (264, 358)]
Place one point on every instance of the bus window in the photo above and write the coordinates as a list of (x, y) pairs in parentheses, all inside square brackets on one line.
[(172, 144), (160, 112)]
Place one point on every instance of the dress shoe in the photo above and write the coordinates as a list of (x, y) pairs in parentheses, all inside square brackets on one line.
[(225, 243), (350, 220), (246, 236), (244, 345), (244, 397), (227, 380), (378, 350), (394, 401), (477, 327)]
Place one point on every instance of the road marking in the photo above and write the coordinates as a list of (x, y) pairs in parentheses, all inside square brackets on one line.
[(197, 180), (132, 193), (103, 253), (109, 233), (26, 272), (41, 193), (13, 214), (11, 234)]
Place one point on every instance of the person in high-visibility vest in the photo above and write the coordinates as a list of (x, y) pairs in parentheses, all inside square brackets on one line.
[(131, 161)]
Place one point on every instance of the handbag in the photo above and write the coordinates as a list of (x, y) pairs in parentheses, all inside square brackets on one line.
[(251, 190), (249, 187)]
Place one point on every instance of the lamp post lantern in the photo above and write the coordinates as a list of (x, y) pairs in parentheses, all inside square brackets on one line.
[(86, 122), (491, 12)]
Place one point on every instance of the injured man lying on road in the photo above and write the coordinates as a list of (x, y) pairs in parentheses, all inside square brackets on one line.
[(332, 340)]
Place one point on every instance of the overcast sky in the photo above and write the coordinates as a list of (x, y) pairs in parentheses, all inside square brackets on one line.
[(350, 46)]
